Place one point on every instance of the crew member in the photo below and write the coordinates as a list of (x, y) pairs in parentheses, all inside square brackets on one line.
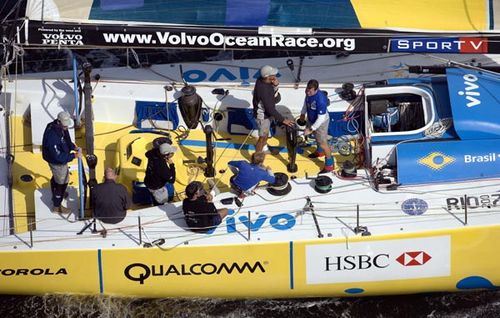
[(160, 173), (264, 101), (315, 105), (110, 199), (200, 213), (249, 174), (58, 150)]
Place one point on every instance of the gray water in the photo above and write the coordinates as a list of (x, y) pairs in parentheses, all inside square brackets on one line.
[(465, 304)]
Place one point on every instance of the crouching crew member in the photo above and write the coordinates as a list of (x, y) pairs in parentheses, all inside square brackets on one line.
[(200, 213), (315, 105), (249, 174), (160, 173), (110, 199)]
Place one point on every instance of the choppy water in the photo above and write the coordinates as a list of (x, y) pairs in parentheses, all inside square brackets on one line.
[(467, 304)]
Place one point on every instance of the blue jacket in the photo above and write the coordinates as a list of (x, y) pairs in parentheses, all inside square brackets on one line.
[(57, 144), (249, 175)]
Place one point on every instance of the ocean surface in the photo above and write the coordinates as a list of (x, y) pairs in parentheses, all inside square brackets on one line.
[(465, 304)]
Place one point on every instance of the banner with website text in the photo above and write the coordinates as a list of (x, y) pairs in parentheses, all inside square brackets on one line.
[(320, 40)]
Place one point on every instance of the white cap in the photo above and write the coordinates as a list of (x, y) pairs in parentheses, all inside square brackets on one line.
[(166, 148), (65, 119), (268, 70)]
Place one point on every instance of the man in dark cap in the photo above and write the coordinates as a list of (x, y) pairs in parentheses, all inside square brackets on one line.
[(58, 150), (200, 213), (265, 96), (160, 173)]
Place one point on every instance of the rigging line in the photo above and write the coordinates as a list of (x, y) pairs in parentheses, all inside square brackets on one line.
[(17, 6), (234, 156), (477, 68)]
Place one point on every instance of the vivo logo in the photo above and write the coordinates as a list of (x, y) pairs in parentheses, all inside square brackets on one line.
[(471, 92), (280, 222), (220, 74)]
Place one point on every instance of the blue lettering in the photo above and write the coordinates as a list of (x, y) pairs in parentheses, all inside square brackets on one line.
[(195, 76), (281, 222), (253, 226), (244, 75), (222, 72), (275, 221), (230, 224)]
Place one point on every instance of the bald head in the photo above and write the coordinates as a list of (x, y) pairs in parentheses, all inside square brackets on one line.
[(109, 174)]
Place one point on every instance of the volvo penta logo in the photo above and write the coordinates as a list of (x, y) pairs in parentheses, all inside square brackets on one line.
[(139, 272), (413, 258), (471, 91), (436, 160)]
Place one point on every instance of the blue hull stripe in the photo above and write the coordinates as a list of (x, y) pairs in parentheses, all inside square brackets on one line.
[(291, 265), (99, 265)]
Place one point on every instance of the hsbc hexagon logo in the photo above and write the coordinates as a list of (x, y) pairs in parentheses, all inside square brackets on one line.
[(416, 258)]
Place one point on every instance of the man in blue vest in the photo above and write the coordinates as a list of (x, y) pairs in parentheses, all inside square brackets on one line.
[(248, 175), (315, 106), (58, 150)]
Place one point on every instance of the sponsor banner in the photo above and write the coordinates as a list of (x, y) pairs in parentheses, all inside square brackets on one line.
[(103, 35), (438, 161), (49, 272), (474, 97), (378, 260), (474, 45), (482, 201), (195, 271), (224, 38)]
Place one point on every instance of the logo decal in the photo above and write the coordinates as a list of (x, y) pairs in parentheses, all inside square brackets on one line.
[(436, 160), (378, 260), (414, 206), (471, 92), (413, 258), (139, 272)]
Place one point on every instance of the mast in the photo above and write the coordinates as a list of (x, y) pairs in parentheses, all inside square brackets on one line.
[(89, 124)]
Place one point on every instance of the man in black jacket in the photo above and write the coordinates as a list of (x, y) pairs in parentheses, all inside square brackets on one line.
[(200, 213), (58, 150), (110, 199), (160, 173), (265, 96)]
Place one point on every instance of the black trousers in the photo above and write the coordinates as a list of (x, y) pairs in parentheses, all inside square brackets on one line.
[(58, 191)]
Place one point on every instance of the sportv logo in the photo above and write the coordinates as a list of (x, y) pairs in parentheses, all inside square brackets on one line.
[(441, 45), (471, 91), (139, 272)]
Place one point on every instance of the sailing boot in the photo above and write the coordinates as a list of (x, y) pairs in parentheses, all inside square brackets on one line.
[(61, 209), (270, 150), (317, 154), (329, 166)]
